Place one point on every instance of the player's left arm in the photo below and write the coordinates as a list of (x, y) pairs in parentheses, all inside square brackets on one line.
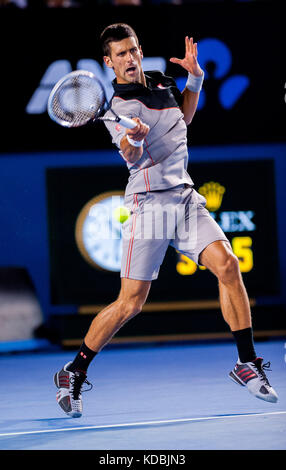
[(191, 92)]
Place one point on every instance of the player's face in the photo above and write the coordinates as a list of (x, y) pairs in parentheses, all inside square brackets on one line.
[(125, 59)]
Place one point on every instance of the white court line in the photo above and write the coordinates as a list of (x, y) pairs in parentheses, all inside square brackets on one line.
[(142, 423)]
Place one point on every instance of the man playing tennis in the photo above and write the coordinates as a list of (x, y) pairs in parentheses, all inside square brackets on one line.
[(157, 157)]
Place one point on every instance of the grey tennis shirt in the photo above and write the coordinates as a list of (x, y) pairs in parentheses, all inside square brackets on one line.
[(164, 161)]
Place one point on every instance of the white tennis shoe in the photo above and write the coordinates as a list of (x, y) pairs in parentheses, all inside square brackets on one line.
[(70, 389), (252, 375)]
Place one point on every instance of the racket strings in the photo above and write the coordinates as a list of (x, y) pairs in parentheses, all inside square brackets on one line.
[(78, 100)]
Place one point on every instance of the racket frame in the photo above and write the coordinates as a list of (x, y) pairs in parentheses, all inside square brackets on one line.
[(126, 122)]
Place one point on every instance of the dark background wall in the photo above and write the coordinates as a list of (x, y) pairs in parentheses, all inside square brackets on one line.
[(240, 49)]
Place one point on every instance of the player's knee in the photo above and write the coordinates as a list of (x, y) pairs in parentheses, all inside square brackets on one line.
[(129, 308), (228, 271)]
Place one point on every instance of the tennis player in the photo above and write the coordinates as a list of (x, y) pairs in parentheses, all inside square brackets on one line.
[(156, 155)]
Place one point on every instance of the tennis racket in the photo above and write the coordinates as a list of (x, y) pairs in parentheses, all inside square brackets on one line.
[(78, 98)]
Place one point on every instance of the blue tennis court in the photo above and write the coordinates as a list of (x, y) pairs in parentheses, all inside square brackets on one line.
[(152, 397)]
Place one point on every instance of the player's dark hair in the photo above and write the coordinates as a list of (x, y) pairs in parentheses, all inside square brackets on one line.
[(114, 33)]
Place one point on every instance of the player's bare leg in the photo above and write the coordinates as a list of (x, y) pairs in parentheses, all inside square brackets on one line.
[(220, 260), (249, 370), (71, 378), (133, 295), (234, 318)]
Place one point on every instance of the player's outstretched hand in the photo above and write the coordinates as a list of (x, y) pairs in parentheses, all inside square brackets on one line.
[(139, 132), (190, 62)]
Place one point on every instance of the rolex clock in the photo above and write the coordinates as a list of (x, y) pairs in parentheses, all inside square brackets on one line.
[(98, 233)]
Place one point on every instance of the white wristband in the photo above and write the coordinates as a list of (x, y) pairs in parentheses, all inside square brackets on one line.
[(135, 143), (195, 83)]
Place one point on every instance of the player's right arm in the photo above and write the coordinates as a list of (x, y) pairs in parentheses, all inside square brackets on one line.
[(131, 144)]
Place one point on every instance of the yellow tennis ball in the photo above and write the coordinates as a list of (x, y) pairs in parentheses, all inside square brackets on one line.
[(121, 214)]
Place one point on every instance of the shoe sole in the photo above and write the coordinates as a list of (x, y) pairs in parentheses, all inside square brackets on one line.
[(74, 415)]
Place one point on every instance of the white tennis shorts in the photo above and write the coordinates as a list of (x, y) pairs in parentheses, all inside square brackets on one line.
[(175, 217)]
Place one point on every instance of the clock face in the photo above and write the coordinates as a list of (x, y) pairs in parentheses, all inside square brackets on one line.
[(98, 234)]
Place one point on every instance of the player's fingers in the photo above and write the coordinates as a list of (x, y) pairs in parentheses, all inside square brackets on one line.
[(196, 50), (146, 129), (133, 132), (187, 44), (191, 46), (140, 135), (175, 60), (137, 120), (143, 130), (136, 131)]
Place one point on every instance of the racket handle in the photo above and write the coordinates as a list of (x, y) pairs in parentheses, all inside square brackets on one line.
[(126, 122)]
